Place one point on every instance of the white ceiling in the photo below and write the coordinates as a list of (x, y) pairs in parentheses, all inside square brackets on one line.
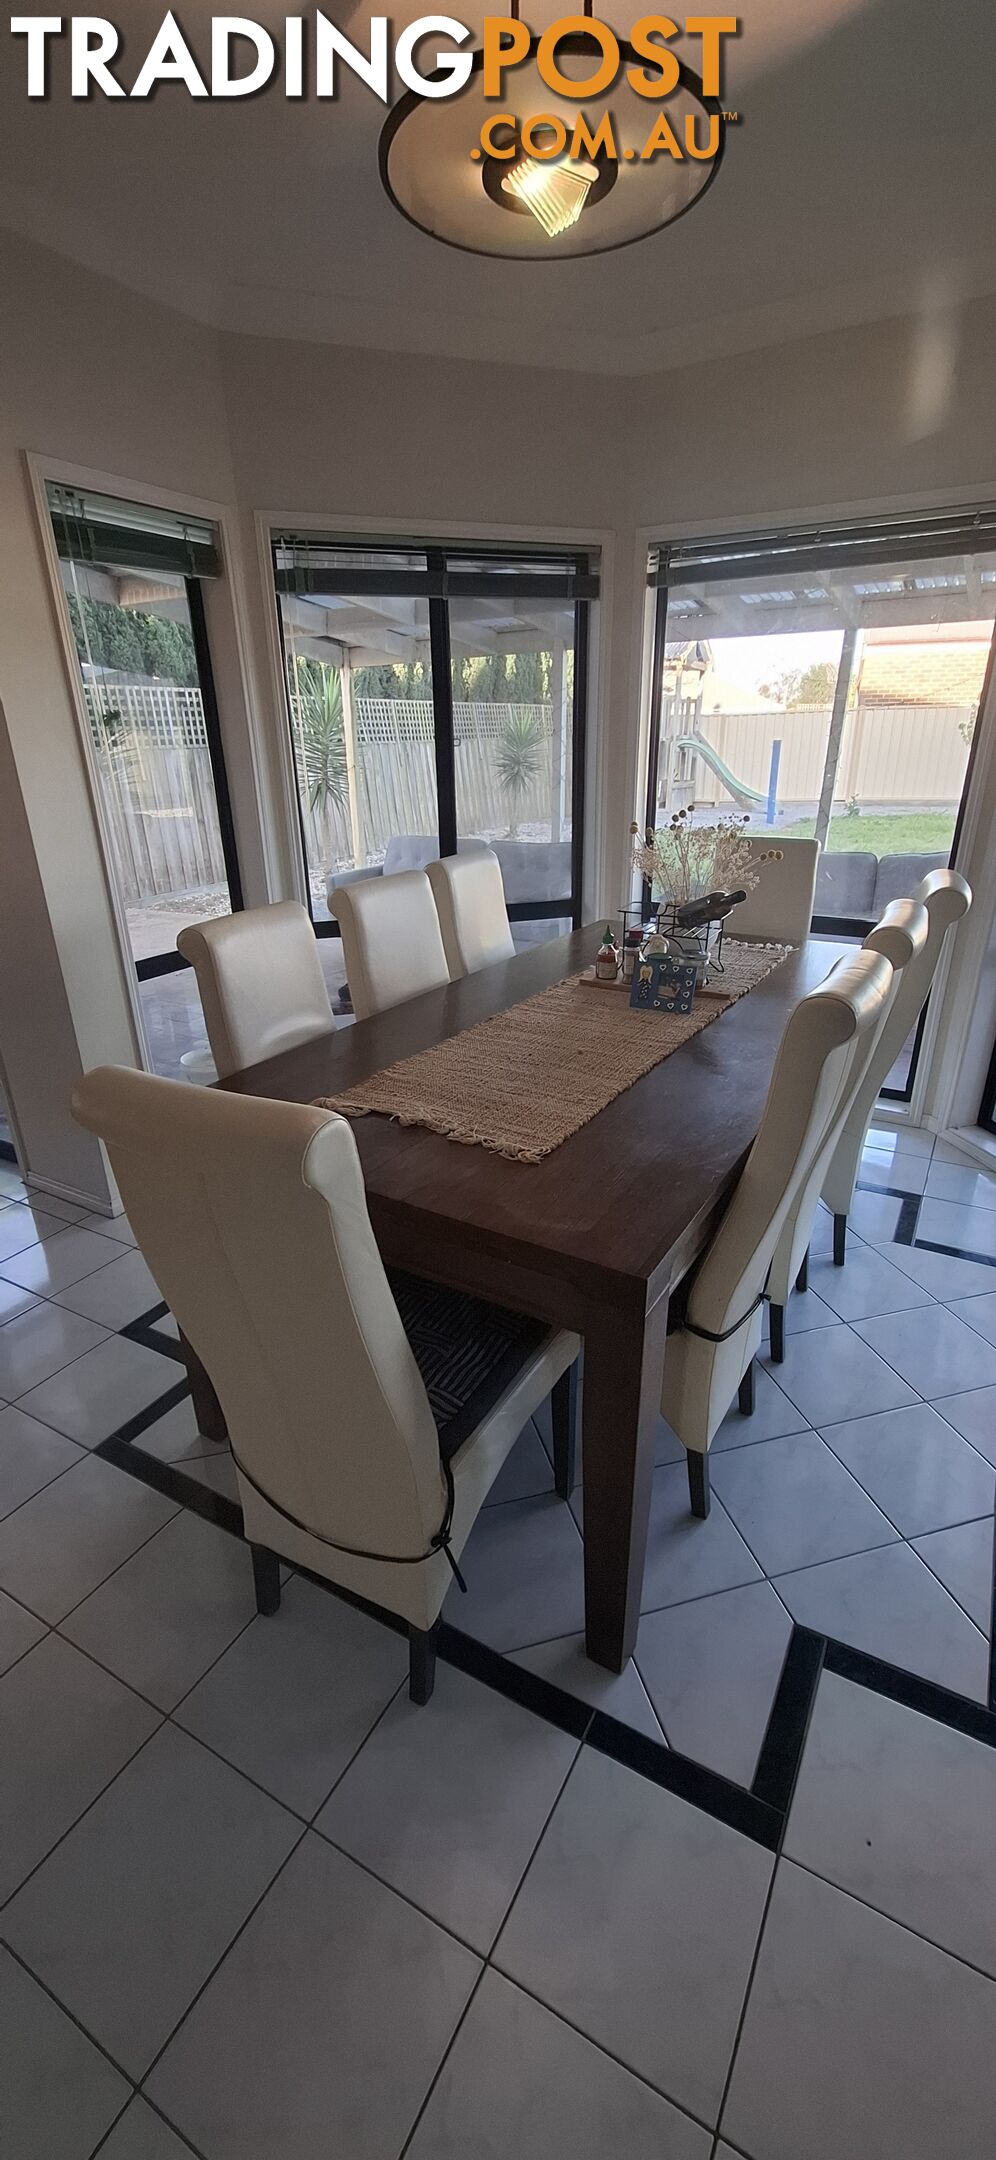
[(860, 184)]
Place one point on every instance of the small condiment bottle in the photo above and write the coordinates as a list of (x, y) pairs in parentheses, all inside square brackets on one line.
[(631, 953), (607, 957)]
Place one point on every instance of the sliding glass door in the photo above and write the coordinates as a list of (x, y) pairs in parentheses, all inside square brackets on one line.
[(828, 683), (436, 701), (132, 580)]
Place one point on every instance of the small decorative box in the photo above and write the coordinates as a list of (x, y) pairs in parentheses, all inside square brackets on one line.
[(661, 984)]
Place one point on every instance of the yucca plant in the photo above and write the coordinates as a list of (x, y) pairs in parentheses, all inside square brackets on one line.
[(323, 742), (519, 758)]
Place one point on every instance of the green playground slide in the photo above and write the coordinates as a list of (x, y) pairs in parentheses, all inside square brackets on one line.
[(739, 790)]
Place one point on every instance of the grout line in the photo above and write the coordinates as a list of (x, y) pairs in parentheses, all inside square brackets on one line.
[(61, 1839), (73, 2019), (868, 1904), (441, 2065), (748, 1991)]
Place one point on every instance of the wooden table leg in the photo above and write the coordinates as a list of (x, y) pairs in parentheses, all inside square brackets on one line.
[(623, 1366), (207, 1409)]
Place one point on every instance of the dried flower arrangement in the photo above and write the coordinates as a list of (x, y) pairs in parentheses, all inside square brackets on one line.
[(683, 860)]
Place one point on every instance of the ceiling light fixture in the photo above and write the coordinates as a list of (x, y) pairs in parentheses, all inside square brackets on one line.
[(438, 170)]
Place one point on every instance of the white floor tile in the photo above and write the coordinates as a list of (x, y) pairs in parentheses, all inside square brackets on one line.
[(967, 1229), (41, 1342), (620, 1695), (164, 1617), (31, 1455), (941, 1273), (141, 2134), (963, 1560), (711, 1669), (875, 1217), (448, 1808), (57, 1547), (829, 1379), (899, 1810), (59, 2093), (12, 1185), (525, 1472), (859, 2038), (19, 1630), (978, 1313), (881, 1172), (23, 1227), (14, 1300), (174, 1437), (958, 1181), (102, 1390), (66, 1729), (524, 1568), (637, 1921), (688, 1558), (116, 1295), (919, 1471), (126, 1918), (794, 1503), (112, 1226), (866, 1284), (297, 1694), (520, 2085), (59, 1261), (974, 1416), (935, 1352), (331, 2015), (67, 1210), (805, 1310), (889, 1604), (772, 1416), (900, 1140)]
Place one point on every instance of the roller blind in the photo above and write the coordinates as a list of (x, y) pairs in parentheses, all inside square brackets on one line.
[(102, 529)]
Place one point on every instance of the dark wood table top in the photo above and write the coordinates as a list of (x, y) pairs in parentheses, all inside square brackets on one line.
[(622, 1208)]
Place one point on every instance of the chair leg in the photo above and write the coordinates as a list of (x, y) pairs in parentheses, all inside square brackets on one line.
[(564, 1414), (698, 1483), (266, 1579), (776, 1329), (745, 1393), (839, 1240), (422, 1661), (802, 1279)]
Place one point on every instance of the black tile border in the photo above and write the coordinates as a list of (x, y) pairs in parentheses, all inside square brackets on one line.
[(759, 1812), (144, 1330)]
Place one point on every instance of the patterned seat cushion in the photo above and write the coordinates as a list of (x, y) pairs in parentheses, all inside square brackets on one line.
[(467, 1352)]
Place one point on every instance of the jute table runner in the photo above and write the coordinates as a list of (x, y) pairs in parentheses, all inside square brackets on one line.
[(523, 1081)]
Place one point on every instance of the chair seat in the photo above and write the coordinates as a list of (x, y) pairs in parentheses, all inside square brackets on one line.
[(467, 1351)]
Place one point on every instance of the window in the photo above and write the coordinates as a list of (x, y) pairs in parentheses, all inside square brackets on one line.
[(132, 579), (828, 683), (436, 700)]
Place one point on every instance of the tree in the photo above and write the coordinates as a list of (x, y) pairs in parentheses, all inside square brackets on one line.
[(132, 643), (797, 687)]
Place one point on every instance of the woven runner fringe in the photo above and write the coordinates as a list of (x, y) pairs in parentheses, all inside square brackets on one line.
[(523, 1081)]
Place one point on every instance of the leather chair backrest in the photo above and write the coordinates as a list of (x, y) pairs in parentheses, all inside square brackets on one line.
[(473, 918), (261, 983), (780, 908), (391, 940), (253, 1218), (821, 1037), (946, 896)]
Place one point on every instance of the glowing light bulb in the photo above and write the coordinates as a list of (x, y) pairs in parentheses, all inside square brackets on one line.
[(556, 194)]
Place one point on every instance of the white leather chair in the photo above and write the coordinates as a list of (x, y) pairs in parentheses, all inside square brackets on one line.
[(946, 896), (901, 936), (470, 902), (261, 983), (253, 1218), (391, 940), (710, 1356), (780, 908)]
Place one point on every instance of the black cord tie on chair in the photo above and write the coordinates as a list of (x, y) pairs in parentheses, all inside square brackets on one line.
[(707, 1333), (440, 1542)]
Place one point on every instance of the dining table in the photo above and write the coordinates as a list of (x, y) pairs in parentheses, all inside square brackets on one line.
[(596, 1237)]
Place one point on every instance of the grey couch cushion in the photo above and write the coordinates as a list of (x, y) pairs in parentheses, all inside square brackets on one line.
[(845, 884), (899, 876)]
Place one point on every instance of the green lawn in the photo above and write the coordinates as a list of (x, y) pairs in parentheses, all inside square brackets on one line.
[(924, 832)]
